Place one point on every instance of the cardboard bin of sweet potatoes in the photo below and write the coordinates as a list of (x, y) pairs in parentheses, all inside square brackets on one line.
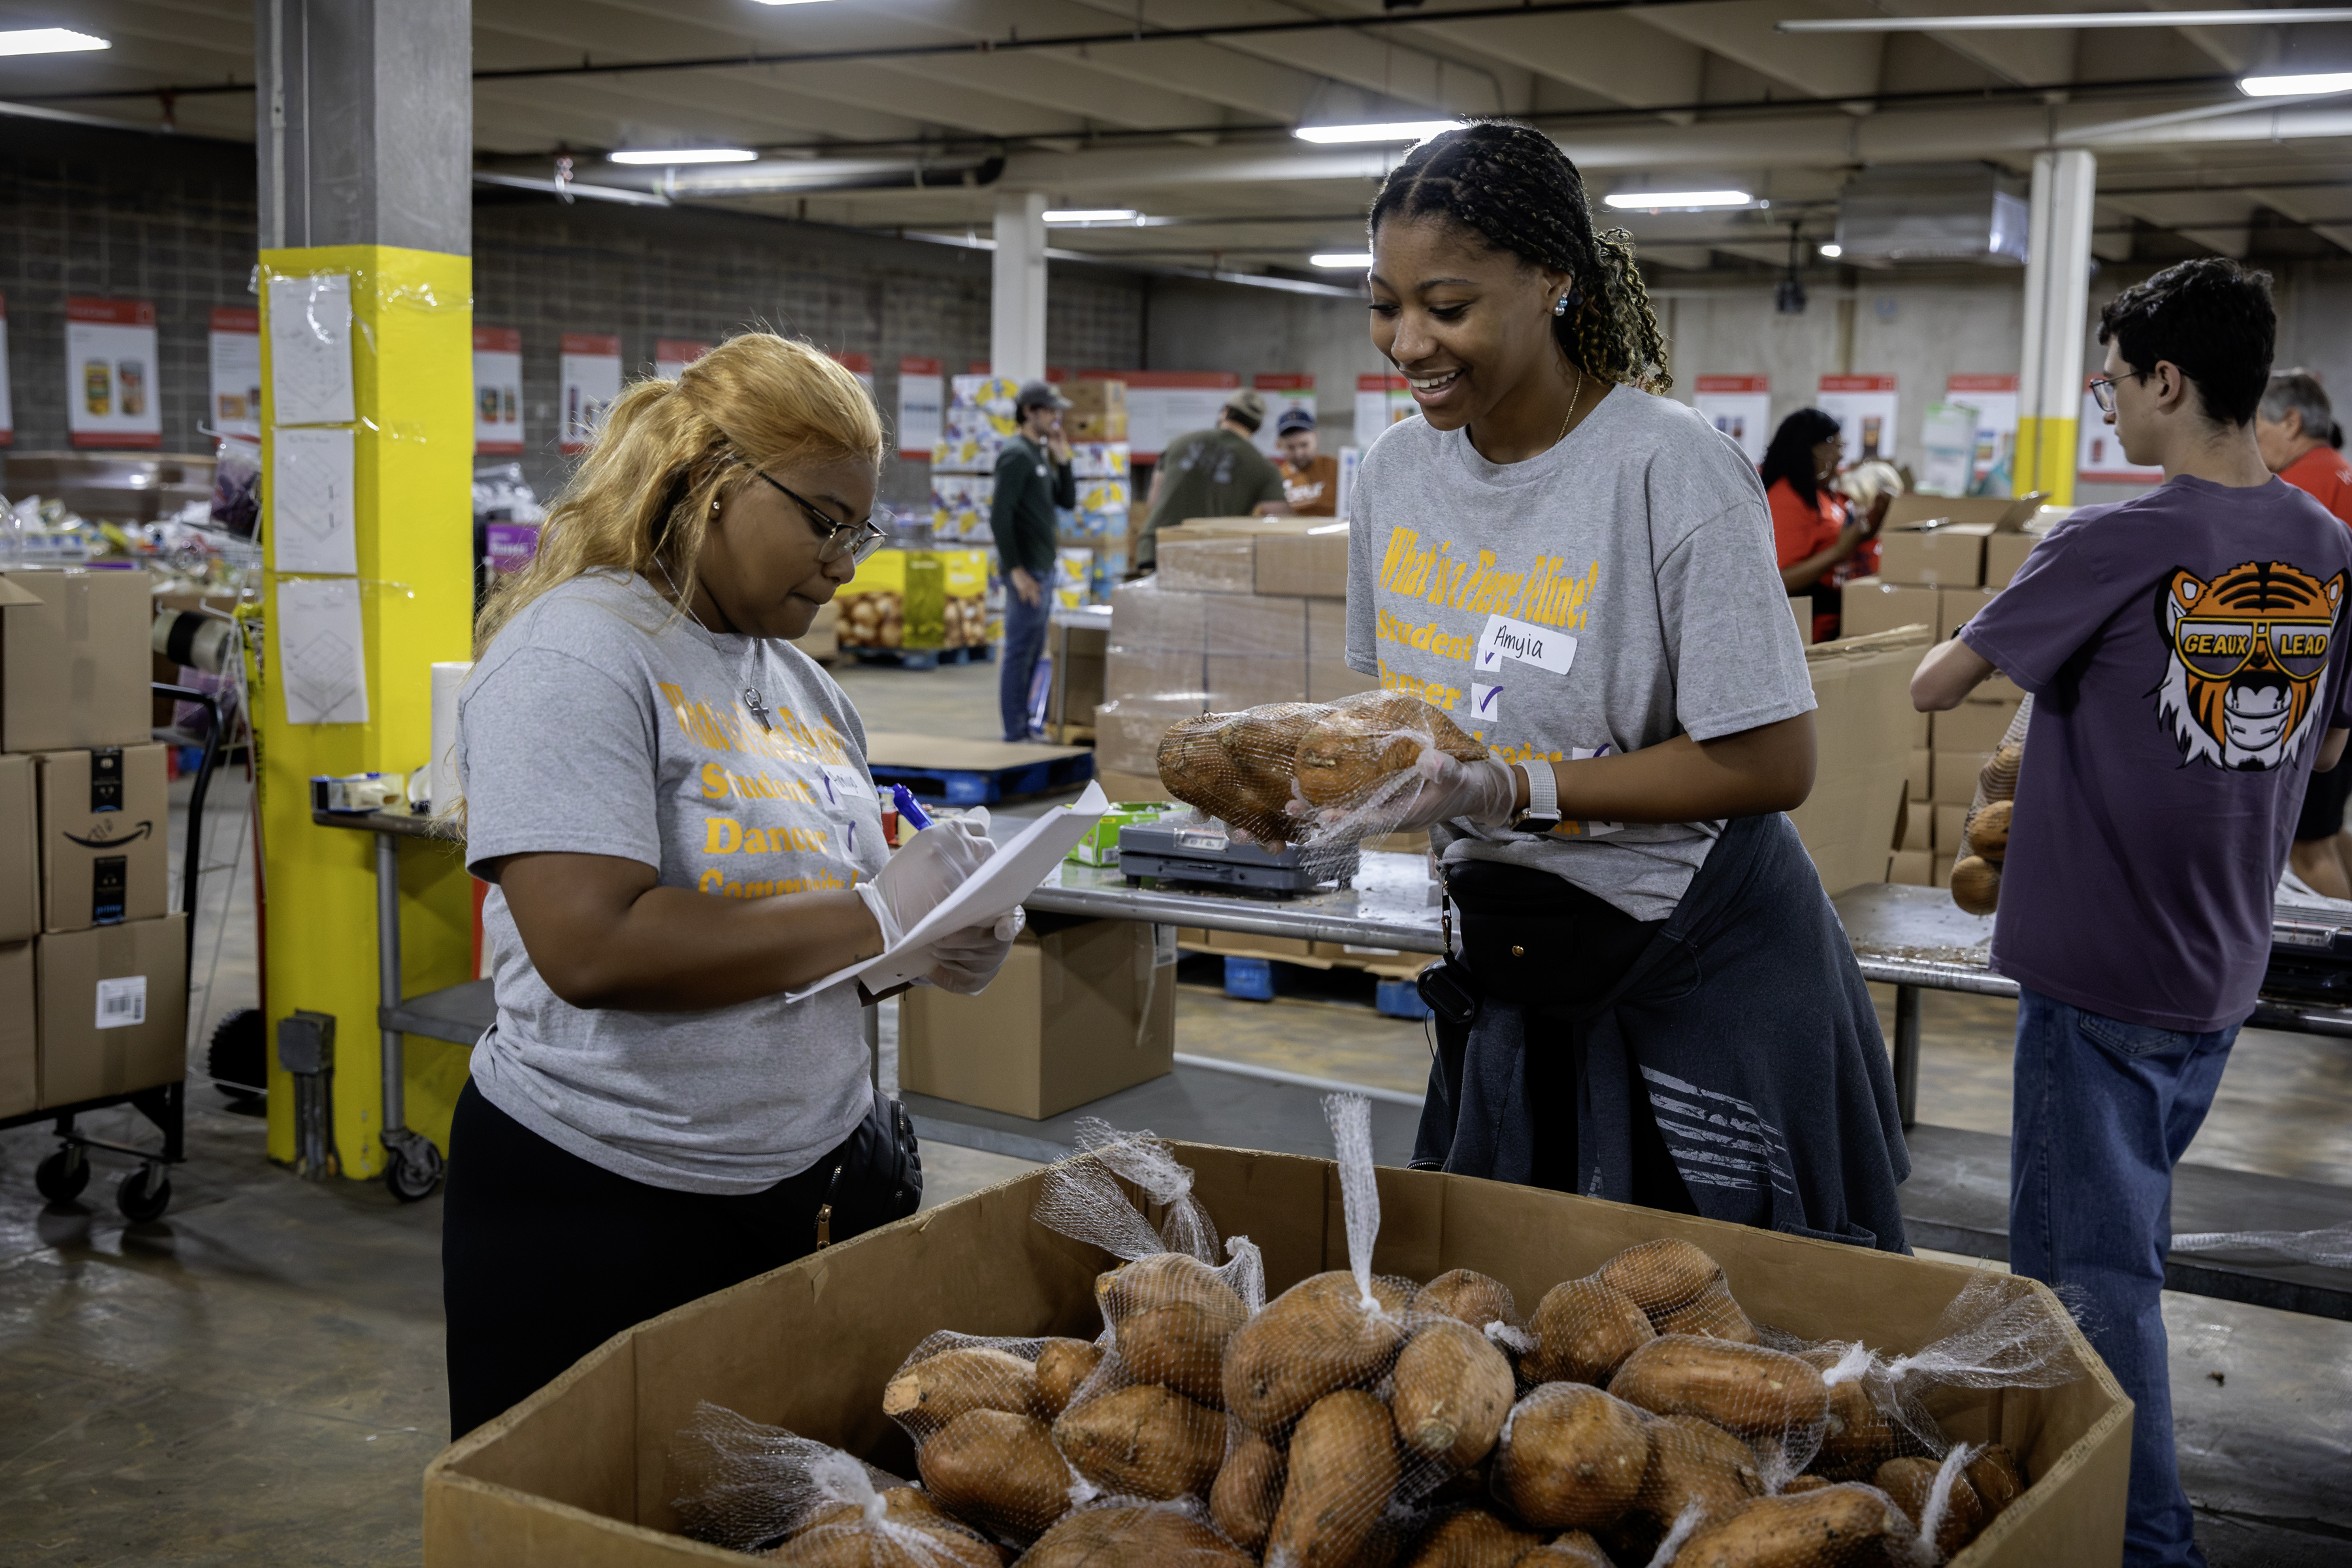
[(581, 1474)]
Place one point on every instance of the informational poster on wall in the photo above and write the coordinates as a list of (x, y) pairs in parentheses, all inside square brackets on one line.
[(591, 379), (235, 344), (1380, 402), (310, 350), (1162, 404), (1282, 390), (1994, 397), (110, 398), (859, 366), (1863, 407), (2100, 459), (498, 391), (1948, 443), (672, 355), (1740, 406), (7, 404), (923, 396)]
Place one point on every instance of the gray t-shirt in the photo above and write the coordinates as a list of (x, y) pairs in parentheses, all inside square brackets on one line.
[(602, 722), (1609, 594)]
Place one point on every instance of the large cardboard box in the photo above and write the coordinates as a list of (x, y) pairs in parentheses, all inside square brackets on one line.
[(1999, 513), (113, 1007), (1911, 867), (1127, 732), (20, 1035), (1951, 556), (106, 816), (2005, 554), (1081, 1009), (1098, 410), (1921, 774), (1327, 630), (1312, 565), (1949, 822), (1246, 681), (1159, 674), (579, 1475), (1973, 726), (1955, 776), (1959, 605), (1150, 614), (1872, 604), (1255, 626), (1206, 565), (1861, 739), (1918, 825), (74, 661), (20, 855)]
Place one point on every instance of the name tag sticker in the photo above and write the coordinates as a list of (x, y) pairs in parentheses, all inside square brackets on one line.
[(1485, 701), (1545, 647)]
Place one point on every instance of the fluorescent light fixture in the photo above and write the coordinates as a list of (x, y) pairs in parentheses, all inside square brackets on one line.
[(1833, 250), (662, 157), (48, 41), (1390, 130), (2055, 20), (1341, 258), (2295, 86), (1674, 201), (787, 2), (1092, 215)]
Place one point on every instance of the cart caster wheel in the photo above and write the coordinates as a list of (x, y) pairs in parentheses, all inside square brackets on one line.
[(413, 1172), (62, 1177), (144, 1194)]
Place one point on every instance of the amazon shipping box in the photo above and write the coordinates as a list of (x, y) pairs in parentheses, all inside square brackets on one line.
[(74, 659), (105, 829), (20, 852), (114, 1009)]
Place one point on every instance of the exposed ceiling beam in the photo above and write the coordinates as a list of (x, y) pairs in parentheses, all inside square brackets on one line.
[(1742, 30)]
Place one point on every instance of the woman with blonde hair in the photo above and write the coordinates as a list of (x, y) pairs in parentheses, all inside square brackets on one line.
[(673, 808)]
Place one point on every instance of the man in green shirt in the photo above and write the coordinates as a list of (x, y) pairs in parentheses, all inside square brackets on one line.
[(1033, 477), (1213, 473)]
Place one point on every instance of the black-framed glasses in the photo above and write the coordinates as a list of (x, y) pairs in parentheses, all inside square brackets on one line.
[(856, 540), (2103, 389)]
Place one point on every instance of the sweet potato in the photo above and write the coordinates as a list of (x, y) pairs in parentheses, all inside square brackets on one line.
[(1976, 885), (1237, 766), (1343, 1468), (1453, 1390), (1000, 1470), (1804, 1484), (1858, 1437), (1469, 1538), (1713, 1315), (1572, 1550), (1987, 831), (1248, 1489), (1829, 1527), (1131, 1538), (1362, 738), (840, 1538), (1747, 1390), (1997, 1477), (1144, 1441), (1912, 1481), (1572, 1457), (1469, 1296), (1689, 1462), (1584, 1329), (1312, 1339), (1062, 1366), (1171, 1318), (1659, 1276), (928, 1394)]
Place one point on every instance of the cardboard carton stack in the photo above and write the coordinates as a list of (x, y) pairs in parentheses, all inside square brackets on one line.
[(94, 976), (1941, 560)]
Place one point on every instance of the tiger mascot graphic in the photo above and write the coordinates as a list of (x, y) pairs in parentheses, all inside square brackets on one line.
[(2247, 652)]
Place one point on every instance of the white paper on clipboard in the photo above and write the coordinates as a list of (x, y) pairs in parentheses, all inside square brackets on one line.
[(995, 890)]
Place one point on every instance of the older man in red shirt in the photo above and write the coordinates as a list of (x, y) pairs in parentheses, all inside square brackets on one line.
[(2295, 428)]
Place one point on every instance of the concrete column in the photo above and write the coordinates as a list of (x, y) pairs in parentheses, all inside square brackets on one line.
[(1016, 316), (2057, 311), (365, 121)]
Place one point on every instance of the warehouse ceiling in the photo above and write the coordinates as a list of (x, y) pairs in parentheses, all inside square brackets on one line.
[(912, 115)]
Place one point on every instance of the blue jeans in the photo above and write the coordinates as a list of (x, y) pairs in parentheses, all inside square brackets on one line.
[(2104, 1110), (1024, 640)]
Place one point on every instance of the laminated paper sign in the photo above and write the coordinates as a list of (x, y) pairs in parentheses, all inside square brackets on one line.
[(235, 354), (1994, 397), (1741, 408), (1162, 404), (318, 649), (310, 350), (922, 396), (592, 384), (1864, 408), (313, 514), (1282, 392), (672, 355), (498, 391), (111, 396)]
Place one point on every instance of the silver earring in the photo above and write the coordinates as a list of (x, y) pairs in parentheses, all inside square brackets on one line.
[(1559, 306)]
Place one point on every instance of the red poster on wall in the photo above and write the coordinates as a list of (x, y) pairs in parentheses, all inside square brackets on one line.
[(111, 395), (591, 365), (498, 391)]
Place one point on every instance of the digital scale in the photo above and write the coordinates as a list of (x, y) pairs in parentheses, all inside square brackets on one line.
[(2311, 955), (1177, 851)]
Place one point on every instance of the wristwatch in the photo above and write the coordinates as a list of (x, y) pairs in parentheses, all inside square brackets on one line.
[(1542, 814)]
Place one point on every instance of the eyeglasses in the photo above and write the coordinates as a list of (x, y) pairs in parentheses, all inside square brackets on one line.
[(2103, 389), (856, 540)]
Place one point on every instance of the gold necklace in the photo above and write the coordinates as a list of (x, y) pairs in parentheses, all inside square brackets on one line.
[(1573, 397)]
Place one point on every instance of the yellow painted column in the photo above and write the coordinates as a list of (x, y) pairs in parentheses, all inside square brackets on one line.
[(2047, 450), (412, 373)]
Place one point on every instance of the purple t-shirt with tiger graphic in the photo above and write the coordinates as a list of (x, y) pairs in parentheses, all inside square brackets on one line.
[(2186, 653)]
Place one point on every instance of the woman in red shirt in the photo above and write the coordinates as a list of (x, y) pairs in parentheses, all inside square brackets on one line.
[(2295, 428), (1812, 531)]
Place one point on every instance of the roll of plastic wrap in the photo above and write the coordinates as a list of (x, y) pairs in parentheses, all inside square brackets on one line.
[(448, 677)]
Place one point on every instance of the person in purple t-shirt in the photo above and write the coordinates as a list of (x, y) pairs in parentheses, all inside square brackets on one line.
[(2187, 677)]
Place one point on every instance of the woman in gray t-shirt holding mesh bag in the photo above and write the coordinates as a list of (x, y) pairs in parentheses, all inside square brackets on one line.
[(1652, 1000), (673, 808)]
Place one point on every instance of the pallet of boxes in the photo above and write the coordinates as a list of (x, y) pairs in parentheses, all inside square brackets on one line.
[(93, 960), (1942, 559)]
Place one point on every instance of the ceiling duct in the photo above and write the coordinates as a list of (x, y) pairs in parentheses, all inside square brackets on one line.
[(1941, 214)]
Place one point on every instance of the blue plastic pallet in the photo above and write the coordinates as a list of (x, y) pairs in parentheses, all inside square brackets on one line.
[(1249, 979), (923, 658), (1400, 999), (987, 787)]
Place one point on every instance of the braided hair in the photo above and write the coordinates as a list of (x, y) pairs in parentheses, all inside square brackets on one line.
[(1512, 186)]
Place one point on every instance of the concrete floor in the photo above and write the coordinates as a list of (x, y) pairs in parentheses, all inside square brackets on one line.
[(257, 1378)]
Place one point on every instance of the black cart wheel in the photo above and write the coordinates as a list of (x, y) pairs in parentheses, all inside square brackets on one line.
[(62, 1177), (143, 1195), (238, 1055), (414, 1171)]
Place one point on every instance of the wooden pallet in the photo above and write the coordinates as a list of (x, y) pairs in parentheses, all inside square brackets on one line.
[(974, 773)]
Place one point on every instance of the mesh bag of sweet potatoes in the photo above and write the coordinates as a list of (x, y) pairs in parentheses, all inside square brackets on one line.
[(1637, 1416)]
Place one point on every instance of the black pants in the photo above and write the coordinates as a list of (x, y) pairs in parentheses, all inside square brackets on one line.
[(544, 1257)]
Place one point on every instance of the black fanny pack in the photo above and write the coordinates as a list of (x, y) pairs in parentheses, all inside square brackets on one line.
[(1533, 940), (877, 1177)]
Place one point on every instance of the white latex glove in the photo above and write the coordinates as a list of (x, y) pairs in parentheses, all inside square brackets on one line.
[(924, 871), (968, 960), (1485, 792)]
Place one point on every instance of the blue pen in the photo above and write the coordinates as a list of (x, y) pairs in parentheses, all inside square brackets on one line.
[(908, 810)]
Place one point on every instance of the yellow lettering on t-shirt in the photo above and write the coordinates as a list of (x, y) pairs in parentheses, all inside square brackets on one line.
[(1431, 692), (722, 836), (716, 884), (1426, 636)]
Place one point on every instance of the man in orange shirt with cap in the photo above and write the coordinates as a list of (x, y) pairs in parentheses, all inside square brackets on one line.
[(2295, 428)]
